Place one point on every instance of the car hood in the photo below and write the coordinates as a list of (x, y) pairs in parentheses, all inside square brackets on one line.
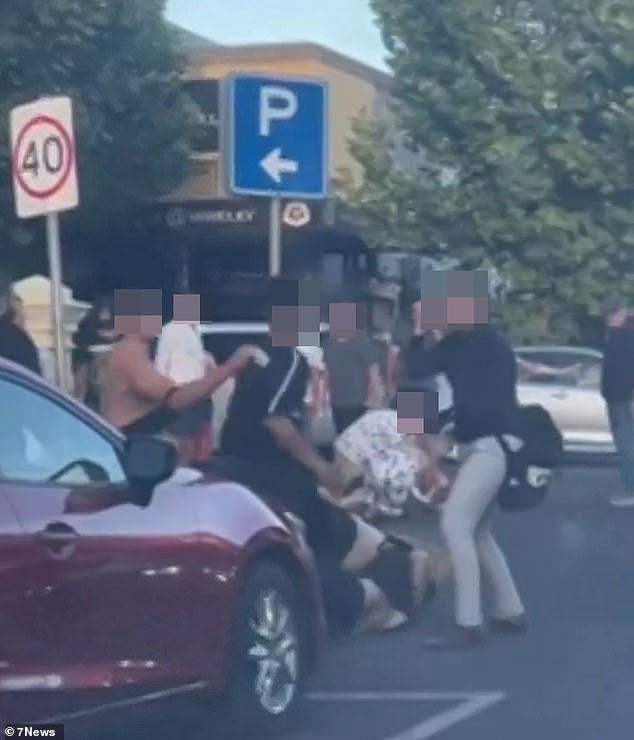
[(226, 509)]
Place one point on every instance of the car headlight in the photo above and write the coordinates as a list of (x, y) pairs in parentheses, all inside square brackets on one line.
[(296, 525)]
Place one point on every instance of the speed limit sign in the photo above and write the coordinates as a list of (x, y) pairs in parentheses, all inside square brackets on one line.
[(43, 157)]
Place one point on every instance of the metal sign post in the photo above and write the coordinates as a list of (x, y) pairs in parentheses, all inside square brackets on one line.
[(55, 271), (275, 237), (276, 144), (45, 184)]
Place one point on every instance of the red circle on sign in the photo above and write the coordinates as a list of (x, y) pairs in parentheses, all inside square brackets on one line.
[(68, 144)]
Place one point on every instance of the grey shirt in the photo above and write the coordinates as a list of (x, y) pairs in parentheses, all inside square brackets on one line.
[(348, 364)]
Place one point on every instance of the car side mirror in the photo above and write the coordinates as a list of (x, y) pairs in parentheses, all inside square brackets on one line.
[(147, 461)]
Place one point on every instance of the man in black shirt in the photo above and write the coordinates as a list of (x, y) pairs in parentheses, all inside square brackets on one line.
[(617, 388), (15, 344), (364, 575)]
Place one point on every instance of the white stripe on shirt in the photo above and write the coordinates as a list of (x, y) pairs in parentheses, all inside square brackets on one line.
[(285, 383)]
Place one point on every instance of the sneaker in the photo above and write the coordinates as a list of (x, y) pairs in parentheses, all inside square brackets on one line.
[(378, 615), (625, 501)]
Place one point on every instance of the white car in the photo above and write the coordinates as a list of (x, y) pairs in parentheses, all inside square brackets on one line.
[(574, 401)]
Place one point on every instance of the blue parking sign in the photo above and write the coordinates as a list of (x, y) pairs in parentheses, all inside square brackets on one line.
[(276, 136)]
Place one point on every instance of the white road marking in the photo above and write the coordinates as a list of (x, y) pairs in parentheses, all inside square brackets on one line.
[(469, 705), (122, 703)]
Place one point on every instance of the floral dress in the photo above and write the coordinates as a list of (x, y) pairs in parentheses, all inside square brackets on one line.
[(386, 459)]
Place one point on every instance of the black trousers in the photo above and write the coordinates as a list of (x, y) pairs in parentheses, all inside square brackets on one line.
[(345, 416), (330, 531)]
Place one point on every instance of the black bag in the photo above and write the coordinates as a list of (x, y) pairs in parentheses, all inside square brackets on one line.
[(530, 469)]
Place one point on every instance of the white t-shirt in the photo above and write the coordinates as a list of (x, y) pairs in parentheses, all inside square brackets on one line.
[(180, 354), (315, 358)]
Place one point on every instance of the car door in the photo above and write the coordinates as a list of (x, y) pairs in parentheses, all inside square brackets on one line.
[(552, 393), (16, 564), (588, 422), (114, 589), (573, 401)]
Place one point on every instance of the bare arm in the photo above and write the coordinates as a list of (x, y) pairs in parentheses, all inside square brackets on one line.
[(315, 389), (537, 368), (287, 437), (148, 383), (376, 389)]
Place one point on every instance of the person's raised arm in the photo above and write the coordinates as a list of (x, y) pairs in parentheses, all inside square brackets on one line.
[(148, 383)]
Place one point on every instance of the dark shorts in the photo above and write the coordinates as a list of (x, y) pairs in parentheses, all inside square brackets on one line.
[(191, 422)]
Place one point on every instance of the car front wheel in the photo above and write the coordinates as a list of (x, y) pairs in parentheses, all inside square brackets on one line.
[(269, 654)]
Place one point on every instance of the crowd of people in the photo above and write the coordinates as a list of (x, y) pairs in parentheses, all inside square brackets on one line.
[(395, 410)]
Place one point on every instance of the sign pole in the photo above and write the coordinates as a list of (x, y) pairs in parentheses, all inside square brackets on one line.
[(275, 237), (45, 184), (55, 271)]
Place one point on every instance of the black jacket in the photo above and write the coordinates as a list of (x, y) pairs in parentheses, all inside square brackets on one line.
[(617, 374), (482, 370), (16, 345)]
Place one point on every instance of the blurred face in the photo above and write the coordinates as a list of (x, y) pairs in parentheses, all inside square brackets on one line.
[(187, 308), (295, 313), (138, 313), (345, 320), (616, 318), (417, 412), (452, 301), (295, 326)]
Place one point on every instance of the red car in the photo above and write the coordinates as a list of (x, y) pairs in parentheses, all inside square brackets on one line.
[(123, 579)]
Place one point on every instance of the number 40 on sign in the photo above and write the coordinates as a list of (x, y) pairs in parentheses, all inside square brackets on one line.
[(43, 157)]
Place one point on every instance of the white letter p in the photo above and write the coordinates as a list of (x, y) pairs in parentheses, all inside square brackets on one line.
[(276, 104)]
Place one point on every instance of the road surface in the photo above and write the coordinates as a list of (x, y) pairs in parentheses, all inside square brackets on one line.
[(570, 678)]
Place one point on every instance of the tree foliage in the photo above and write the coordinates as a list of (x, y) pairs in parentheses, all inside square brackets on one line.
[(119, 62), (518, 122)]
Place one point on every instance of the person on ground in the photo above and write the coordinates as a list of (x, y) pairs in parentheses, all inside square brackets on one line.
[(15, 343), (370, 581), (352, 365), (181, 356), (382, 463), (136, 398), (481, 368), (617, 389)]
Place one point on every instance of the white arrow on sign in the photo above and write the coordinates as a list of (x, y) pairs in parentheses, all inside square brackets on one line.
[(275, 165)]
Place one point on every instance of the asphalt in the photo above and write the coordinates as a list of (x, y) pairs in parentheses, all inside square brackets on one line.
[(570, 678)]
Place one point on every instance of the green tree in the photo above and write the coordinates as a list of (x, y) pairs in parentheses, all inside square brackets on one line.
[(119, 61), (518, 122)]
